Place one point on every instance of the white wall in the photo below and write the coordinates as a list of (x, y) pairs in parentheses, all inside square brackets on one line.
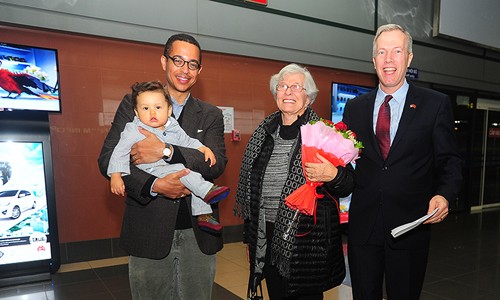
[(474, 21)]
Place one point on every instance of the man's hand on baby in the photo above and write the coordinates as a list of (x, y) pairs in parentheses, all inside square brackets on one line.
[(170, 186), (147, 150)]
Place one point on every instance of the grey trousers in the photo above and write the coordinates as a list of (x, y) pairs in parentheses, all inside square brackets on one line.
[(186, 273)]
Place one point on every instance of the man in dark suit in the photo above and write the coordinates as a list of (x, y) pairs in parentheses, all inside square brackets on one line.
[(409, 167), (170, 257)]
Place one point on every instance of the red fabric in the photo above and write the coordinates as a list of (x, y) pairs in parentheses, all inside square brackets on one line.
[(383, 127), (304, 198)]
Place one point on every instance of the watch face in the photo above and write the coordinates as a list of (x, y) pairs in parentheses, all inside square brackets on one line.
[(167, 151)]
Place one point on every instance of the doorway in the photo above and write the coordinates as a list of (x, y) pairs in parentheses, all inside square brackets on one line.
[(486, 155)]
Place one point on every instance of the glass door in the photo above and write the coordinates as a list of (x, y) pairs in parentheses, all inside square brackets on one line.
[(488, 159)]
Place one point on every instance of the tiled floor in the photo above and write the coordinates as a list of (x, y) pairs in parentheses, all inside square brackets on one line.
[(464, 264)]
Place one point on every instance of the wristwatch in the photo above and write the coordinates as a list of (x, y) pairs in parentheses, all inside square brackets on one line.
[(167, 151)]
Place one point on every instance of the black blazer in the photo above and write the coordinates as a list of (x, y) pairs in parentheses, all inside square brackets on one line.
[(149, 222), (422, 162)]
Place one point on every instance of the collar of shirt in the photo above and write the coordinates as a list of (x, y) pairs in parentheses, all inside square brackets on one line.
[(177, 108), (397, 103)]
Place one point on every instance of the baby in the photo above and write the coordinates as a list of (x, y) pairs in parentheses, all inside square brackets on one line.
[(153, 112)]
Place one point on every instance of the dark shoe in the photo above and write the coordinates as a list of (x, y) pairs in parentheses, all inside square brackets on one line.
[(209, 224), (216, 194)]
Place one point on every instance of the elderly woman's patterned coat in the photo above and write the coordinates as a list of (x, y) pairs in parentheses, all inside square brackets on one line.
[(311, 262)]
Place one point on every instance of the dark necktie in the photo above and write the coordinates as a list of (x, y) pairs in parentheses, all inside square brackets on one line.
[(383, 127)]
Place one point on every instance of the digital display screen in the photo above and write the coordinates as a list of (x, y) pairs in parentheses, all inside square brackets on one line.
[(29, 78), (341, 93), (24, 220)]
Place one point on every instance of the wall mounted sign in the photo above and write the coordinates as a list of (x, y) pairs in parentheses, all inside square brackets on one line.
[(261, 2), (412, 73)]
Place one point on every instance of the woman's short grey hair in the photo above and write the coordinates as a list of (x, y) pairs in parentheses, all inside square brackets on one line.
[(309, 84), (392, 27)]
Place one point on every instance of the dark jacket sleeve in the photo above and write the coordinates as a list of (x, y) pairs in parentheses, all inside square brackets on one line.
[(135, 182), (448, 163), (343, 184)]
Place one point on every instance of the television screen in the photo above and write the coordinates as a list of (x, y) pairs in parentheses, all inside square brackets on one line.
[(341, 93), (24, 223), (29, 78)]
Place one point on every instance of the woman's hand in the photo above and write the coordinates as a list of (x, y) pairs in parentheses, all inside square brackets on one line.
[(324, 171)]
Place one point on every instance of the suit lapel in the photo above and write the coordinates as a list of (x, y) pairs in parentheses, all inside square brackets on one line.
[(371, 141), (412, 101), (190, 113)]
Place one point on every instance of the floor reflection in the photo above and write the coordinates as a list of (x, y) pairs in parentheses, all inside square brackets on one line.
[(464, 263)]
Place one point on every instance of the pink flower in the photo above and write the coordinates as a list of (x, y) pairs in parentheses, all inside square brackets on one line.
[(332, 141)]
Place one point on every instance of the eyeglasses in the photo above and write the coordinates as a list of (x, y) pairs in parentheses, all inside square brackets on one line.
[(193, 65), (296, 88)]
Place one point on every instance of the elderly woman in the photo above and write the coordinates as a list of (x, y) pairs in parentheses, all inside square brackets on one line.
[(303, 264)]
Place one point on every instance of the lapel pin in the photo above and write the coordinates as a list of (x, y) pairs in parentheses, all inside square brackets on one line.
[(413, 106)]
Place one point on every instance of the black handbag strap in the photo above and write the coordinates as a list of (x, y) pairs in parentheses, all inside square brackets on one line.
[(254, 291)]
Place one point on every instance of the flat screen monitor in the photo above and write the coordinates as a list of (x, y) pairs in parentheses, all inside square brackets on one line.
[(341, 93), (29, 78), (24, 216), (29, 243)]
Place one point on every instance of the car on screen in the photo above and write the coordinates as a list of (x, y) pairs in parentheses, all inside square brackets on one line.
[(14, 202)]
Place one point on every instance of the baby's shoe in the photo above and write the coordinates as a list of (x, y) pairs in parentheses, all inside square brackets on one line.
[(209, 224), (216, 194)]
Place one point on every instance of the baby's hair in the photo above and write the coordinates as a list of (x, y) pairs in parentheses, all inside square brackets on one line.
[(148, 86)]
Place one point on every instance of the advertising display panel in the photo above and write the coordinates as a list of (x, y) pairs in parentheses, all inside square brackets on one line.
[(24, 223), (29, 242)]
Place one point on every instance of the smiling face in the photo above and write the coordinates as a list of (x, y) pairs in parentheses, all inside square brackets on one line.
[(181, 79), (152, 109), (391, 60), (292, 104)]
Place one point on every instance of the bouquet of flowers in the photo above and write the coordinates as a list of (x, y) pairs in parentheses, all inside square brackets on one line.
[(334, 142)]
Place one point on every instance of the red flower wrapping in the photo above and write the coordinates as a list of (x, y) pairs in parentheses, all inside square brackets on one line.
[(332, 141)]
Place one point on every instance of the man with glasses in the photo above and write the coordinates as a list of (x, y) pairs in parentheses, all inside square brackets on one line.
[(170, 257)]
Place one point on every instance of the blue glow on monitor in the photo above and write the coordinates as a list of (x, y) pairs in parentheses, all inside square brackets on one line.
[(341, 93)]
